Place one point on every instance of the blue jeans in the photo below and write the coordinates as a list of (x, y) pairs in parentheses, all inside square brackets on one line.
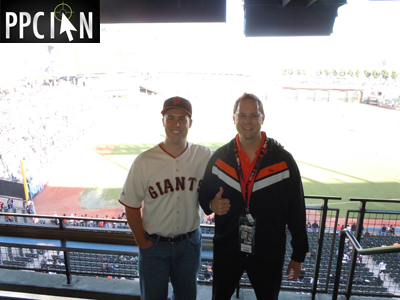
[(164, 261)]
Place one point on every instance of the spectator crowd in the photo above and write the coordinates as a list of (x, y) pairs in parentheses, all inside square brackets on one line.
[(37, 122)]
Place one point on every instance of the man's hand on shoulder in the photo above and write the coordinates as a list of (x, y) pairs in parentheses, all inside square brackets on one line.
[(296, 267), (220, 205), (277, 143)]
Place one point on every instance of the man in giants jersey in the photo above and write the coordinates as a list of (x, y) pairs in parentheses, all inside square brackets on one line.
[(160, 198)]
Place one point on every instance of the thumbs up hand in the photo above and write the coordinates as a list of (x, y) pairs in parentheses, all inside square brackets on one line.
[(220, 205)]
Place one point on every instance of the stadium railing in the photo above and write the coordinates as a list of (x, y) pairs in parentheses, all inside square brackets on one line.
[(358, 249), (363, 223), (22, 239)]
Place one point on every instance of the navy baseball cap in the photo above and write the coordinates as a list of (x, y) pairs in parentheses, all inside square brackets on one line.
[(179, 103)]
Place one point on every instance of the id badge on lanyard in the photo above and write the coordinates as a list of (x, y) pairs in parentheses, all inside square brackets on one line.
[(247, 234)]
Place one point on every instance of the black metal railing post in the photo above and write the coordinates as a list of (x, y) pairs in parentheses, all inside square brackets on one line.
[(67, 262), (66, 254), (332, 251), (339, 264), (359, 228), (319, 248)]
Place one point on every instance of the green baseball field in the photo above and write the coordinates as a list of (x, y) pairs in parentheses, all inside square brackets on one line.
[(343, 150)]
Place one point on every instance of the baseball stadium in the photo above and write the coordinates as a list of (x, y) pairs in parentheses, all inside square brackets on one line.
[(69, 136)]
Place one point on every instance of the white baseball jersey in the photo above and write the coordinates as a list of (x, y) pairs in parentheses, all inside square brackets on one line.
[(166, 188)]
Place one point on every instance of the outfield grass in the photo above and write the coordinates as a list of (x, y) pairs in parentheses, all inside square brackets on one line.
[(342, 150), (96, 197), (136, 149)]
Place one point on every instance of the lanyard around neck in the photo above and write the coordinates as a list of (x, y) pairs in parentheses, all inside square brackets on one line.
[(260, 157)]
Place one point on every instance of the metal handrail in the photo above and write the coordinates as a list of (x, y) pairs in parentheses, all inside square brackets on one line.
[(323, 207), (375, 200), (61, 218), (122, 236), (357, 247), (321, 235), (360, 222)]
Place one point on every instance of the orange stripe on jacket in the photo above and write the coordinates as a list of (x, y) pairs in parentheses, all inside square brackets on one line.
[(226, 168), (271, 170)]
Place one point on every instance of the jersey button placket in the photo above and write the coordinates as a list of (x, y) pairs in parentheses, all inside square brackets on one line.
[(177, 197)]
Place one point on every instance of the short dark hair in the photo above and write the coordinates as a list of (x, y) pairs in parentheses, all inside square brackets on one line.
[(246, 96)]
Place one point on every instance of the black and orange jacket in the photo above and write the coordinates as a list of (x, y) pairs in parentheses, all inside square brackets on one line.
[(277, 200)]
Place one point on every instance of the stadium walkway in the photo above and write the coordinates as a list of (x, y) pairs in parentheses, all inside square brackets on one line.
[(21, 281)]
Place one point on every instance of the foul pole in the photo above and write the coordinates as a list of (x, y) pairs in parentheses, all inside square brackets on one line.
[(24, 181)]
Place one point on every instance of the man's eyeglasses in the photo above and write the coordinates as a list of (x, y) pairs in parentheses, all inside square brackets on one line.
[(244, 117)]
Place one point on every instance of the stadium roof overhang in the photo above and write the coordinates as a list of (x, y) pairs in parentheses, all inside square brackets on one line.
[(261, 17), (290, 17)]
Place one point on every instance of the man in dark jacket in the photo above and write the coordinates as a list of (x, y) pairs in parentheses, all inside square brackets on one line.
[(254, 187)]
